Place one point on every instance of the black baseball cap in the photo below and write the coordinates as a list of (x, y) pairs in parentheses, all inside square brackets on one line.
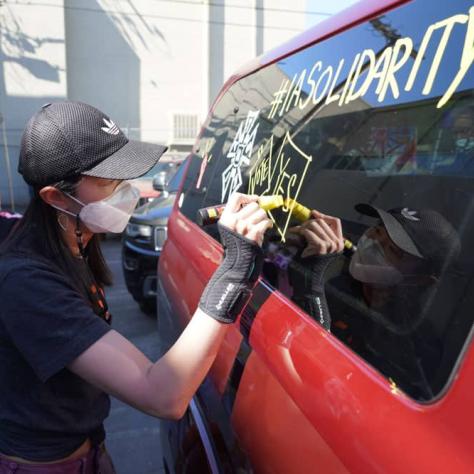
[(65, 139), (423, 233)]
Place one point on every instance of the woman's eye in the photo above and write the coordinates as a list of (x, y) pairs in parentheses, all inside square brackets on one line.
[(110, 184)]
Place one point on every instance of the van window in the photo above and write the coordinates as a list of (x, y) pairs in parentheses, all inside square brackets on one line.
[(380, 115), (177, 176)]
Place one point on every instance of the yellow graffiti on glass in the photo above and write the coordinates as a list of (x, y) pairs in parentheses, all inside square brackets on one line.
[(324, 84), (272, 176), (303, 213)]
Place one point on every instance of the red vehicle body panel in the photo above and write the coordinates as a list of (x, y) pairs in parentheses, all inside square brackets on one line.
[(316, 399), (364, 424)]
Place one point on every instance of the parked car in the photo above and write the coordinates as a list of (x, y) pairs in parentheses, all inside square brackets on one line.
[(162, 172), (143, 240), (374, 105)]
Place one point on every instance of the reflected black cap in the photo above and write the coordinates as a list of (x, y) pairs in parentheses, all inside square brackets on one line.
[(423, 233), (64, 139)]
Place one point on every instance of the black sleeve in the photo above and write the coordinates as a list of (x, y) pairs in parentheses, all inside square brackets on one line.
[(307, 279), (47, 320), (6, 225)]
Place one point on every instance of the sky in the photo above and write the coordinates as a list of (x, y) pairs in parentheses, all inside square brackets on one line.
[(325, 7)]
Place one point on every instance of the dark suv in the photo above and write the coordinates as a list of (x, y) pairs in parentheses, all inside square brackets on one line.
[(143, 240)]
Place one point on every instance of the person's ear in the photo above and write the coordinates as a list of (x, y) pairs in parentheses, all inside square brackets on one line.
[(53, 197)]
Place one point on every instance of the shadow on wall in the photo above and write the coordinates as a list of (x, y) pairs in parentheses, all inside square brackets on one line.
[(17, 52), (141, 34), (102, 69)]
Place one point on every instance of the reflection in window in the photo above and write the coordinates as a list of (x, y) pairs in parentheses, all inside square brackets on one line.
[(377, 296), (403, 300)]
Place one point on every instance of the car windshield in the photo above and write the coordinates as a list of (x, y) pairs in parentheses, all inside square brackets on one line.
[(175, 181)]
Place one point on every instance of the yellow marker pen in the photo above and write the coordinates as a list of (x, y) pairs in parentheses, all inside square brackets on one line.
[(302, 213), (210, 215)]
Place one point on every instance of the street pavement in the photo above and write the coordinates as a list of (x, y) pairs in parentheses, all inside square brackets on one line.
[(132, 437)]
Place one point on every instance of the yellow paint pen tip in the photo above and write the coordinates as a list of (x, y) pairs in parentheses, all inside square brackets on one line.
[(267, 203)]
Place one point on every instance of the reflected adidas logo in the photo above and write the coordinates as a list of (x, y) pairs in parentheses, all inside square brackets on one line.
[(111, 128), (410, 215)]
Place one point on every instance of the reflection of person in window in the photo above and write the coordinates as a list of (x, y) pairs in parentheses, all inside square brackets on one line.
[(464, 140), (459, 123), (378, 305), (462, 129)]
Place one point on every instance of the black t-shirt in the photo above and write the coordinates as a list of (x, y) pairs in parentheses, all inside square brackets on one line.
[(409, 356), (46, 411), (7, 221)]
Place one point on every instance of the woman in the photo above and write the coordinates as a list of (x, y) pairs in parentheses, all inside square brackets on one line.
[(59, 357)]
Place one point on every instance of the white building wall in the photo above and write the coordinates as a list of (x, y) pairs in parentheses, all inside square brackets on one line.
[(135, 61), (283, 20), (239, 35), (102, 68), (32, 72), (140, 61), (172, 80)]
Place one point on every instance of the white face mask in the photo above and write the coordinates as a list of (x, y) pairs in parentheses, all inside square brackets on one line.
[(110, 214), (369, 265)]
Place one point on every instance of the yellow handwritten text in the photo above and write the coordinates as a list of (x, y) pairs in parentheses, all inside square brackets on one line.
[(280, 174), (344, 84)]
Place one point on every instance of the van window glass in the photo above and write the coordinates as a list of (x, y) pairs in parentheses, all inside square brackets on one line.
[(175, 180), (379, 115), (193, 197), (161, 167)]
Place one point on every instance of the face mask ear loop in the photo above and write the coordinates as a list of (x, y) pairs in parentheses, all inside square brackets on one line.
[(78, 232)]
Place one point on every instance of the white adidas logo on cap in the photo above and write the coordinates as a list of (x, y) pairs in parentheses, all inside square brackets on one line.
[(111, 128), (410, 215)]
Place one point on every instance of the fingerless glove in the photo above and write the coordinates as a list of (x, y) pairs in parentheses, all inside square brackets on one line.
[(230, 287)]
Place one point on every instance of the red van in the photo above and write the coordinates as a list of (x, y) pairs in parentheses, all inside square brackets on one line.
[(374, 106)]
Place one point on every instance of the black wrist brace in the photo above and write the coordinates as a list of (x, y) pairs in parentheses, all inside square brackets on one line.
[(229, 289), (308, 286)]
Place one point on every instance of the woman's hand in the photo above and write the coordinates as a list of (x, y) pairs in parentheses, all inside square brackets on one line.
[(323, 234), (243, 215)]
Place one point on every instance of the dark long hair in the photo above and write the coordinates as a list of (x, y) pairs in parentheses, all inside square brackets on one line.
[(38, 231)]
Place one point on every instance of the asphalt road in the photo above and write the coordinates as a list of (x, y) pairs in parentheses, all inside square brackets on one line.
[(132, 437)]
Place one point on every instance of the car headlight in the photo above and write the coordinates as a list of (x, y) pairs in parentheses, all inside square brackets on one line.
[(139, 230)]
